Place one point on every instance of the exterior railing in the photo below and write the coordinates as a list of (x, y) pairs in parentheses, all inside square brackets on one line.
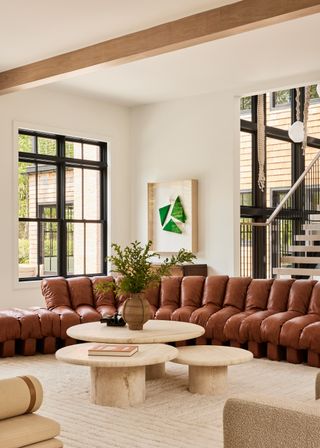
[(283, 225)]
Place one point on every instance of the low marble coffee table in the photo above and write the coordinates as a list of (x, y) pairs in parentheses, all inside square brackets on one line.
[(117, 381), (208, 366), (154, 331)]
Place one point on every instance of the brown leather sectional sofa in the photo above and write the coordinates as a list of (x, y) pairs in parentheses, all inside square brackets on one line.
[(279, 319)]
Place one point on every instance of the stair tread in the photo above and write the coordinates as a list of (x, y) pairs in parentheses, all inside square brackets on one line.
[(314, 217), (311, 226), (302, 260), (304, 248), (308, 237), (296, 271)]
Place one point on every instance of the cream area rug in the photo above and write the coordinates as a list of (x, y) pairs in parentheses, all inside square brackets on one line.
[(171, 417)]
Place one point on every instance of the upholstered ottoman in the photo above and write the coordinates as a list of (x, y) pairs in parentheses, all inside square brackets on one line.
[(19, 427)]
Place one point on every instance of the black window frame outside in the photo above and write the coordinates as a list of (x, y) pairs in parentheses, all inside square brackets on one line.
[(62, 163)]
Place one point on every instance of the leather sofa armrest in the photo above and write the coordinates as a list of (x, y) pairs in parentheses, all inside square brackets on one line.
[(271, 423)]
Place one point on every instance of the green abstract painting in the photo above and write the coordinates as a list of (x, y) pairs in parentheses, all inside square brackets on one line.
[(177, 214), (163, 211), (171, 226), (178, 211)]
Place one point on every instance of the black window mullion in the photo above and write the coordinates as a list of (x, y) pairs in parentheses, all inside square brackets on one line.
[(82, 193), (61, 187), (104, 209)]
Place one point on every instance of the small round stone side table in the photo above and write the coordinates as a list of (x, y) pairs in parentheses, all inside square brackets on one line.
[(208, 366), (117, 381)]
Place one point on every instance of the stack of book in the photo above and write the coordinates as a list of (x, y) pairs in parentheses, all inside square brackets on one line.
[(112, 350)]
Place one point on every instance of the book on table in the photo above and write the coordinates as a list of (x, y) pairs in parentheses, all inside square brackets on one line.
[(112, 350)]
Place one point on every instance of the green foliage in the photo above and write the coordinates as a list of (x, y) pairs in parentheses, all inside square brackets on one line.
[(47, 146), (282, 97), (245, 103), (23, 189), (313, 92), (134, 265), (23, 251)]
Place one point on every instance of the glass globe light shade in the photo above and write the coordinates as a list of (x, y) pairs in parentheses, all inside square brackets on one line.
[(296, 132)]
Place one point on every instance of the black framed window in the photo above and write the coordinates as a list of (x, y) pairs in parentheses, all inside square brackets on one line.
[(284, 163), (62, 183)]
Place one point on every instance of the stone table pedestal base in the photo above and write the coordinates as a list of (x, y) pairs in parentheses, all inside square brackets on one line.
[(155, 371), (207, 380), (118, 386)]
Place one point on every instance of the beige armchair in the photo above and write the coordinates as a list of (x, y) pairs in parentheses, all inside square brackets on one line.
[(271, 423), (19, 426)]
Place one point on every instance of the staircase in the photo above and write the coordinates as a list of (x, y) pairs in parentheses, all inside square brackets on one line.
[(288, 251), (305, 256)]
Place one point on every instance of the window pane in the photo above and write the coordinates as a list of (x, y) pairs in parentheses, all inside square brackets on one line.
[(310, 153), (91, 152), (245, 168), (91, 194), (27, 190), (314, 119), (47, 146), (281, 98), (278, 170), (47, 189), (73, 150), (245, 108), (75, 248), (26, 143), (70, 245), (93, 248), (278, 109), (313, 92), (73, 179), (28, 249), (245, 247), (49, 247)]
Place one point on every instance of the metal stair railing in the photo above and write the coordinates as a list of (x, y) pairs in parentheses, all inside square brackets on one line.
[(285, 221)]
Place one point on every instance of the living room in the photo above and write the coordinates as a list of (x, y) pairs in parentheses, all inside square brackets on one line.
[(172, 116)]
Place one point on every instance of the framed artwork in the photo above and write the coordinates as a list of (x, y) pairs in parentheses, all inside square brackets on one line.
[(173, 215)]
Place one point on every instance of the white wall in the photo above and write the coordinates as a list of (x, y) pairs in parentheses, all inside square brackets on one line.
[(47, 109), (192, 138)]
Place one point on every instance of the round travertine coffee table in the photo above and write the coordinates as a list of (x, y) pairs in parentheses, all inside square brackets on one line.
[(117, 381), (208, 366), (154, 331)]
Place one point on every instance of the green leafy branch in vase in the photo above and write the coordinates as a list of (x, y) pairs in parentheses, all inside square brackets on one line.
[(136, 270)]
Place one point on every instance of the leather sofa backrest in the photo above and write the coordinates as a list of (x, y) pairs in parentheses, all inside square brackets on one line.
[(314, 306), (258, 294), (102, 298), (152, 295), (300, 294), (170, 291), (80, 290), (55, 292), (191, 290), (236, 292), (214, 289), (279, 294)]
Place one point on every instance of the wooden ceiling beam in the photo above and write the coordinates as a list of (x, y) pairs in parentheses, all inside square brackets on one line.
[(206, 26)]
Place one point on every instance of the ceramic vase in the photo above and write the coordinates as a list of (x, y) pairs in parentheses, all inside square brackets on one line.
[(136, 311)]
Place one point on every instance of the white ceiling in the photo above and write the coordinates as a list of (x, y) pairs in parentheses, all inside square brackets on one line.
[(278, 56), (37, 29)]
